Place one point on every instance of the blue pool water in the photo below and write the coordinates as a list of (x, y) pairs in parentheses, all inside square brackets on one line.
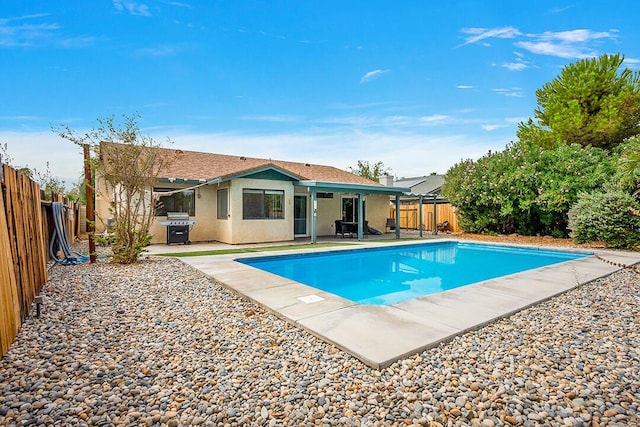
[(389, 275)]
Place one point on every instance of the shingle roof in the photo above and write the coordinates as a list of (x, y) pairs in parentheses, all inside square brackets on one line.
[(422, 185), (193, 165)]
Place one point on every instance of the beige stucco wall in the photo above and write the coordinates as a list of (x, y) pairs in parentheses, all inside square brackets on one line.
[(329, 210), (102, 203), (235, 229), (259, 230), (377, 211), (222, 227)]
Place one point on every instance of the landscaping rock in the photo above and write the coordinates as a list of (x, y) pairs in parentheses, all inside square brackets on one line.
[(159, 343)]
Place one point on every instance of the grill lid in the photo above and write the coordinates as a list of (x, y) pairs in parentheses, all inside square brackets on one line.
[(177, 216)]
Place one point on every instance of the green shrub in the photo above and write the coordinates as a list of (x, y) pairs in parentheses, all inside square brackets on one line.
[(525, 189), (612, 217)]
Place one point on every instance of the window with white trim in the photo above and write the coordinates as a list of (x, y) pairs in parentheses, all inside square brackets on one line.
[(262, 204), (223, 203)]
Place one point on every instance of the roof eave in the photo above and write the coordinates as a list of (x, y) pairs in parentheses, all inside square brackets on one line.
[(352, 188)]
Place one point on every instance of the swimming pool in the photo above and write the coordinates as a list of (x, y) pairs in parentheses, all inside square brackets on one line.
[(389, 275)]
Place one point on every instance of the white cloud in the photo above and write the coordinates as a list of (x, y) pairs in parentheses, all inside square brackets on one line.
[(351, 121), (397, 121), (177, 3), (134, 8), (574, 44), (559, 9), (392, 123), (571, 44), (464, 87), (489, 128), (478, 34), (435, 119), (631, 63), (575, 36), (561, 50), (371, 75), (25, 31), (515, 66), (515, 92)]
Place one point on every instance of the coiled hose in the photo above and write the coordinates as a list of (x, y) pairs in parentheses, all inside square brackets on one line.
[(59, 239)]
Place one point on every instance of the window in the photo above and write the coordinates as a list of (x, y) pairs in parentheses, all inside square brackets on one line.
[(262, 204), (184, 201), (350, 209), (223, 203)]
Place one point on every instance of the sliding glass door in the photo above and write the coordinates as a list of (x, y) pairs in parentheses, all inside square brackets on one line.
[(300, 215)]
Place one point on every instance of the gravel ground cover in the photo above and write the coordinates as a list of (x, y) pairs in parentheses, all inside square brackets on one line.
[(160, 344)]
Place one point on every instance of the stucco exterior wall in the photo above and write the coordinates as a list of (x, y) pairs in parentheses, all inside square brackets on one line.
[(222, 231), (377, 210), (328, 213), (235, 229), (329, 210), (259, 230), (208, 227), (102, 204)]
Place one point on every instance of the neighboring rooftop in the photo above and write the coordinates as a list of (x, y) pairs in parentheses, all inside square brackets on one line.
[(428, 184)]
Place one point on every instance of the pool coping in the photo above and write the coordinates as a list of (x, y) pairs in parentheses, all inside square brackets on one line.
[(380, 335)]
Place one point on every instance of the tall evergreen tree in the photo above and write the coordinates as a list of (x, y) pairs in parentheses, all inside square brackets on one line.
[(592, 102)]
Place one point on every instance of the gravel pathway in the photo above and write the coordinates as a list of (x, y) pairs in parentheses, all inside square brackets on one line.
[(160, 344)]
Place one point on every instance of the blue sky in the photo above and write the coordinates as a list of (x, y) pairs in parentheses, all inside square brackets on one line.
[(418, 85)]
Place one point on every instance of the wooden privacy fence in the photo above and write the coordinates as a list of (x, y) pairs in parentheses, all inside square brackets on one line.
[(26, 223), (410, 216)]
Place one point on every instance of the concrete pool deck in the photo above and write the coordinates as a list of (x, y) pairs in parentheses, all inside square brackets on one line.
[(380, 335)]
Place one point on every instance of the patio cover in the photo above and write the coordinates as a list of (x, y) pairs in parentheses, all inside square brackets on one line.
[(360, 189)]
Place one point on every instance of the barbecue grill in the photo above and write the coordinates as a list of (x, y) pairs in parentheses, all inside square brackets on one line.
[(178, 224)]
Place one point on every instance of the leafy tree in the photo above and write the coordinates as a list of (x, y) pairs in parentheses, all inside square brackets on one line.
[(592, 102), (525, 188), (128, 163), (372, 171), (47, 182), (78, 192), (629, 166)]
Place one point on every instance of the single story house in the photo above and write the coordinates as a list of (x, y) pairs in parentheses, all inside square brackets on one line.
[(238, 199)]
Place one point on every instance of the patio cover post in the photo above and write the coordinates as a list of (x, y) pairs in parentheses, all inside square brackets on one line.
[(314, 215), (360, 217), (420, 215), (397, 216), (435, 220)]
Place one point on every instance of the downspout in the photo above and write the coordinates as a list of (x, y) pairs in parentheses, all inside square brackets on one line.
[(360, 217), (397, 216), (420, 215), (314, 214)]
